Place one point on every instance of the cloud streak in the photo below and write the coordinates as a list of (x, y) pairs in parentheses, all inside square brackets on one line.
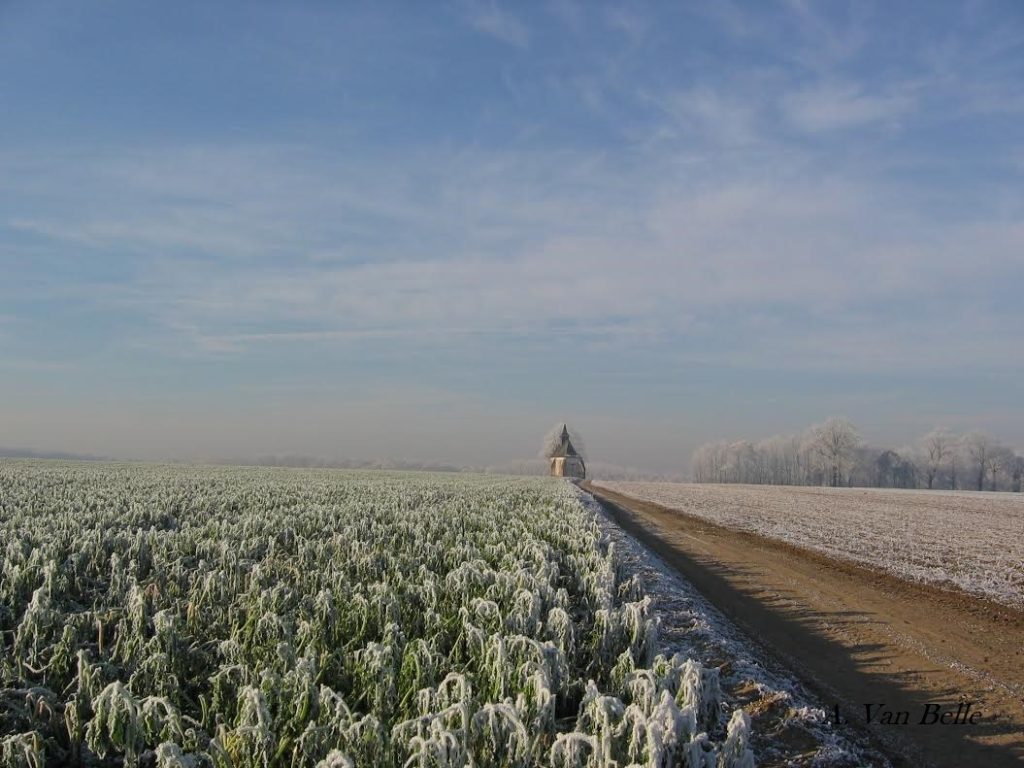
[(490, 18), (844, 106), (485, 256)]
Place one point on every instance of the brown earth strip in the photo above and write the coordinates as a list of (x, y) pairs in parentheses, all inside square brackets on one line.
[(857, 636)]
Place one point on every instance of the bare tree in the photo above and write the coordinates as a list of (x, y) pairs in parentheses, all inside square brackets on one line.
[(832, 453), (1001, 461), (955, 459), (979, 448), (891, 470), (833, 443), (935, 449)]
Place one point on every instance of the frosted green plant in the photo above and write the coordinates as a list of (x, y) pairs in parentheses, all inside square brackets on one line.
[(336, 759), (575, 750), (736, 752), (169, 755), (260, 618), (22, 750), (115, 723)]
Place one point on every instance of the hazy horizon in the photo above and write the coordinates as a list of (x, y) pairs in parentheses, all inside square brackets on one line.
[(429, 232)]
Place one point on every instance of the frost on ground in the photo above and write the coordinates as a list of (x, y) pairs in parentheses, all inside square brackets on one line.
[(233, 617), (788, 726), (966, 540)]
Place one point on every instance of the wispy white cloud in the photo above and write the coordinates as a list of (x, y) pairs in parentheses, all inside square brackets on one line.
[(629, 21), (526, 245), (727, 212), (717, 116), (489, 17), (826, 42), (841, 106)]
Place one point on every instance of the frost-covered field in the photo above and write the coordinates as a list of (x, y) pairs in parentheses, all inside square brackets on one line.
[(239, 617), (972, 541)]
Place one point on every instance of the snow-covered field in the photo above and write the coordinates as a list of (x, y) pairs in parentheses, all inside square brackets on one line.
[(968, 540)]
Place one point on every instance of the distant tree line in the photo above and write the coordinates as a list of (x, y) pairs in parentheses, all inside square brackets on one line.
[(832, 453)]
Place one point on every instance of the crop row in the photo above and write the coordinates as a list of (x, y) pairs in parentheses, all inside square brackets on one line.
[(240, 617)]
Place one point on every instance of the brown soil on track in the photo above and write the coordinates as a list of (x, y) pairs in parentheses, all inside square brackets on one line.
[(857, 636)]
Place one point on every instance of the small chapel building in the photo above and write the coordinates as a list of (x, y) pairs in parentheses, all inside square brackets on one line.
[(565, 461)]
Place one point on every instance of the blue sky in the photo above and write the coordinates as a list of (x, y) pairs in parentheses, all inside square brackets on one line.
[(428, 230)]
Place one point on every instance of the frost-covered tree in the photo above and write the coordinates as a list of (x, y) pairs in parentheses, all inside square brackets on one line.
[(957, 461), (833, 443), (979, 449), (935, 450), (832, 453), (1000, 466), (891, 470)]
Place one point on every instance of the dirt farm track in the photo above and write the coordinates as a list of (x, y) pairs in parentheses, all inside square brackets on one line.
[(857, 636)]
